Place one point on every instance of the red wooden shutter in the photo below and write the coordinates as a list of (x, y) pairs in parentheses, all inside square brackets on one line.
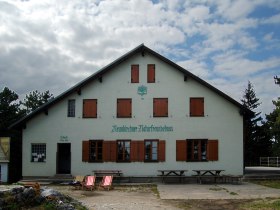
[(90, 108), (133, 151), (151, 73), (212, 150), (196, 107), (85, 151), (109, 151), (137, 151), (181, 150), (160, 107), (124, 108), (161, 150), (134, 73)]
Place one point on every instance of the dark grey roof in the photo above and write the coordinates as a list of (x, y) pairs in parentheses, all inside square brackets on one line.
[(140, 49)]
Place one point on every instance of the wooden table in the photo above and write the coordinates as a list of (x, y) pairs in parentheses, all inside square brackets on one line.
[(172, 173), (107, 172), (209, 173)]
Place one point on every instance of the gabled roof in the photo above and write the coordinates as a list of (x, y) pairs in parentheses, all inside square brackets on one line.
[(98, 75)]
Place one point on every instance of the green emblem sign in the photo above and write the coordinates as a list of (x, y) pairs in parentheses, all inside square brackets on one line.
[(142, 90)]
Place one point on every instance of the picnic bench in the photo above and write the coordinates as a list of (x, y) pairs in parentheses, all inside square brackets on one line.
[(100, 173), (208, 174), (172, 174)]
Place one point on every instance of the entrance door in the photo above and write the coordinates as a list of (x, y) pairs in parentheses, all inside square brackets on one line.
[(63, 158)]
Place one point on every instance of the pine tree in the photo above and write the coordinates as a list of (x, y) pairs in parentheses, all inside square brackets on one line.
[(252, 127)]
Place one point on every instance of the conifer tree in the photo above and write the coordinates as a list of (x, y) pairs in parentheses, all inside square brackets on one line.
[(251, 102)]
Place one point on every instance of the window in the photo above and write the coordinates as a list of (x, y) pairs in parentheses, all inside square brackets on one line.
[(38, 152), (160, 107), (124, 108), (71, 108), (95, 150), (197, 150), (134, 73), (123, 150), (196, 107), (98, 151), (151, 73), (151, 150), (90, 108)]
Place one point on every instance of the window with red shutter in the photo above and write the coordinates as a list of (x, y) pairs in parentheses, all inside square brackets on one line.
[(160, 107), (137, 151), (109, 151), (134, 73), (85, 151), (95, 150), (196, 107), (151, 73), (124, 108), (90, 108), (151, 150), (181, 150), (123, 150), (161, 151), (213, 150)]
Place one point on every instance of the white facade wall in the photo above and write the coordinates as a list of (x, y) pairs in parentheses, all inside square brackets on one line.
[(222, 121)]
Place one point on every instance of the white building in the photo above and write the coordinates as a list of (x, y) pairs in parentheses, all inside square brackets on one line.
[(139, 114)]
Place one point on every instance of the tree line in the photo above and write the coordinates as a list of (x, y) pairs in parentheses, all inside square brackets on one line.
[(13, 109), (262, 136)]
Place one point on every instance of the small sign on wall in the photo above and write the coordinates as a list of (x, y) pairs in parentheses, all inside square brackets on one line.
[(63, 138)]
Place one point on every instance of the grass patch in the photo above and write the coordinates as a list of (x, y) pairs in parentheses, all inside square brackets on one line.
[(155, 191), (263, 204), (216, 188), (233, 193), (269, 183)]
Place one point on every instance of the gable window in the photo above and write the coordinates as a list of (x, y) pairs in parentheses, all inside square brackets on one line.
[(196, 107), (38, 152), (95, 150), (90, 108), (134, 73), (151, 73), (151, 150), (197, 150), (124, 108), (160, 107), (123, 150), (71, 108)]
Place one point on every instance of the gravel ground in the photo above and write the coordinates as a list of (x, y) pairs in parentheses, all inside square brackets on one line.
[(136, 198)]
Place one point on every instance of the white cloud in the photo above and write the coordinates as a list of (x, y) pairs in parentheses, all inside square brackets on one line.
[(235, 64)]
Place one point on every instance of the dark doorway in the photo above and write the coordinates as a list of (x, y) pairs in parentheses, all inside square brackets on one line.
[(63, 158)]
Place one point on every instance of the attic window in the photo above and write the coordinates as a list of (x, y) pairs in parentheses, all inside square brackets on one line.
[(197, 107), (151, 73), (90, 108), (71, 108), (134, 73)]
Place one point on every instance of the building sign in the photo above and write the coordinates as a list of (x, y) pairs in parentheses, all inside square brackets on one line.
[(63, 138), (141, 128), (5, 148), (142, 90)]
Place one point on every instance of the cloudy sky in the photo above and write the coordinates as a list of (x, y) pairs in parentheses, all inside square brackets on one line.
[(52, 45)]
